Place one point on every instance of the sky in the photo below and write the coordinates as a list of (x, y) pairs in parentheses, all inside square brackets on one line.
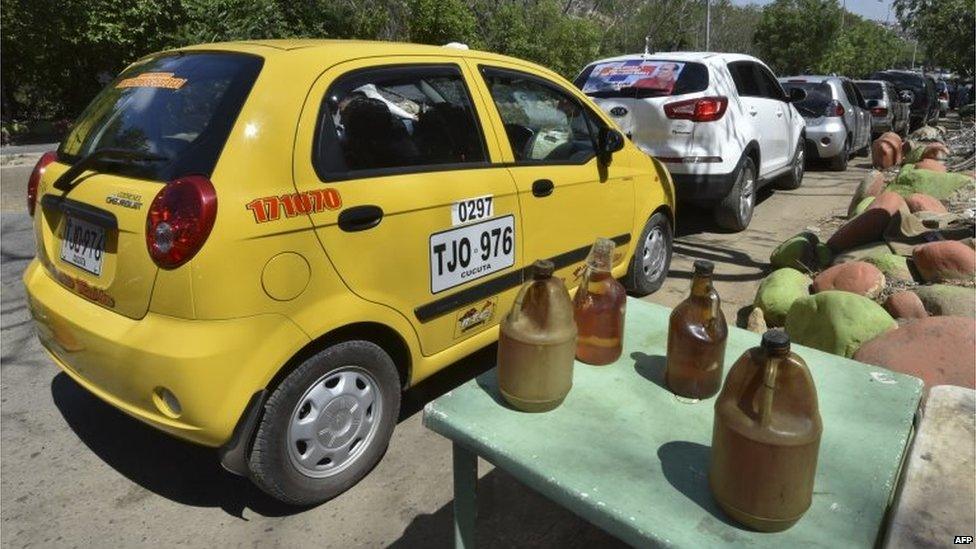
[(870, 9)]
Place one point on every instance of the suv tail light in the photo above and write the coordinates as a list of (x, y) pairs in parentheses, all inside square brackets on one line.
[(35, 179), (879, 111), (702, 109), (944, 96), (834, 108), (180, 219)]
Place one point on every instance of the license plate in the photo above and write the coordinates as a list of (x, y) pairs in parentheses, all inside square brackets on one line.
[(83, 245), (470, 252)]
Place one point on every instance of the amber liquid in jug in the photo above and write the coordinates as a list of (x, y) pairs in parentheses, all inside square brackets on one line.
[(696, 339), (537, 344), (599, 307), (766, 437)]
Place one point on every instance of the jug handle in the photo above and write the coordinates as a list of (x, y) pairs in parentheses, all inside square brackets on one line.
[(768, 388), (713, 307)]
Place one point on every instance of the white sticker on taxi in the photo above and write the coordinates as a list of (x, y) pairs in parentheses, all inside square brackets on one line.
[(472, 209), (470, 252)]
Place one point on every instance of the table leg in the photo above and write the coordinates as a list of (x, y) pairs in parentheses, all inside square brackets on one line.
[(465, 496)]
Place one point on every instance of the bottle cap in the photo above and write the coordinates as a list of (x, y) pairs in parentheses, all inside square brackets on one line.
[(600, 254), (776, 340), (704, 267), (542, 269)]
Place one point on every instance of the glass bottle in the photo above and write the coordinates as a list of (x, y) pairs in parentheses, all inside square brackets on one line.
[(599, 307), (537, 344), (696, 339), (766, 437)]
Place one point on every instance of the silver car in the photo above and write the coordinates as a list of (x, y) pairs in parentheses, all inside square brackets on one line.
[(889, 109), (838, 122)]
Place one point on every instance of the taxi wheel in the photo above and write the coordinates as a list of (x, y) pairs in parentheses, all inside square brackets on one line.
[(652, 257), (327, 424)]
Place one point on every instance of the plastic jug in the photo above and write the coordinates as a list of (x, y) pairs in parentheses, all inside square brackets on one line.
[(537, 344), (599, 307), (696, 339), (766, 437)]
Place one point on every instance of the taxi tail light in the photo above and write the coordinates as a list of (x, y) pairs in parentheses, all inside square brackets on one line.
[(834, 108), (180, 219), (35, 179), (702, 109)]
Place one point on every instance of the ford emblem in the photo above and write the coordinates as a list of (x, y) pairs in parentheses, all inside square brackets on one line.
[(618, 111)]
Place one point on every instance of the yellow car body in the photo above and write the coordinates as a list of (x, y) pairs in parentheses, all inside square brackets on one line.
[(271, 285)]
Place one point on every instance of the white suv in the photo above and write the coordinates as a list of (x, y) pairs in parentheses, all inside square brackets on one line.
[(721, 123)]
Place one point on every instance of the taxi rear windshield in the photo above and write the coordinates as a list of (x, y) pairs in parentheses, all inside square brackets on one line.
[(176, 109), (642, 78)]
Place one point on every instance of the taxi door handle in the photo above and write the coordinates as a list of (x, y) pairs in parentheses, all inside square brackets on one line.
[(542, 188), (360, 218)]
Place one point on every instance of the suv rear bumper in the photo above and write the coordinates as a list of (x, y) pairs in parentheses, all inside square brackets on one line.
[(213, 367), (703, 189)]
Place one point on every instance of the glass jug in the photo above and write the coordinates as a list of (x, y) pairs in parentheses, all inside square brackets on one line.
[(599, 307)]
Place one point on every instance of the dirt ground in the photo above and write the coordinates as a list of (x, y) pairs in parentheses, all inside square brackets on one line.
[(75, 472)]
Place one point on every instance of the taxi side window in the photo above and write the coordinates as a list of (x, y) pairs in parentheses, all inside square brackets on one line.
[(397, 119), (544, 124)]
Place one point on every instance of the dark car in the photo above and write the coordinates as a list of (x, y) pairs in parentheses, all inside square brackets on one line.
[(921, 89)]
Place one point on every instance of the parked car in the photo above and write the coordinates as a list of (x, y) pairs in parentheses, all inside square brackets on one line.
[(274, 238), (918, 88), (837, 119), (888, 112), (942, 89), (720, 122)]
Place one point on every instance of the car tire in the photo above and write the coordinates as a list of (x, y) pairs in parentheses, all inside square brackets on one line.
[(341, 404), (652, 257), (734, 212), (794, 178), (839, 162)]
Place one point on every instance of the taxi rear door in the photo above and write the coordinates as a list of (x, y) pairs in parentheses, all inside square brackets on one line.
[(393, 163)]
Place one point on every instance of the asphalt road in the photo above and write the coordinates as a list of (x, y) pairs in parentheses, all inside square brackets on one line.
[(75, 472)]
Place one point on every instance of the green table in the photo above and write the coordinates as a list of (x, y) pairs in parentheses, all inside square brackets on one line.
[(628, 456)]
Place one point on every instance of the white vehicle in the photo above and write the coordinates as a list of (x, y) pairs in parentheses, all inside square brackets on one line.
[(720, 122)]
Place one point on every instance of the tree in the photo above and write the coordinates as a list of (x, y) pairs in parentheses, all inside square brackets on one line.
[(440, 21), (944, 29), (861, 48), (793, 35)]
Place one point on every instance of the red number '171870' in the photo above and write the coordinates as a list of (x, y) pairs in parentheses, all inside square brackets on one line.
[(270, 208)]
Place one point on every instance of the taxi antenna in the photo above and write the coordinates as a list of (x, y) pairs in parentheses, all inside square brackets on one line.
[(647, 45)]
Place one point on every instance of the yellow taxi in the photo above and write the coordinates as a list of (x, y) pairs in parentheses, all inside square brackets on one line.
[(257, 246)]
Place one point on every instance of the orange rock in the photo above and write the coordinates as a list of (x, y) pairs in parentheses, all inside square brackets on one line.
[(935, 151), (905, 305), (945, 260), (869, 226), (919, 202), (858, 277), (931, 165), (886, 151)]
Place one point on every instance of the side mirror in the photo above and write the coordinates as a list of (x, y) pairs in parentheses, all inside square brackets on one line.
[(872, 103), (796, 95), (610, 142)]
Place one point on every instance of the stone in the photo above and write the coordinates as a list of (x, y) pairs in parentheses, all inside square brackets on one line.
[(918, 202), (937, 185), (886, 151), (860, 207), (938, 484), (858, 277), (926, 133), (862, 253), (869, 225), (945, 300), (870, 186), (905, 304), (931, 165), (756, 322), (938, 349), (803, 252), (893, 266), (778, 291), (836, 322), (945, 260), (935, 151)]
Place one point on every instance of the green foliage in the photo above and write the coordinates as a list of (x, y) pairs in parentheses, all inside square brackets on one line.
[(861, 48), (944, 29), (794, 35), (440, 21)]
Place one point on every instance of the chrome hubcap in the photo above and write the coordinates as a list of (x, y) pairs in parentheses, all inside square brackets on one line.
[(747, 195), (655, 254), (334, 422)]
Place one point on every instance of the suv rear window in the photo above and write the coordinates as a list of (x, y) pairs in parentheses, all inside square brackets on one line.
[(180, 107), (642, 78), (815, 103), (870, 90)]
